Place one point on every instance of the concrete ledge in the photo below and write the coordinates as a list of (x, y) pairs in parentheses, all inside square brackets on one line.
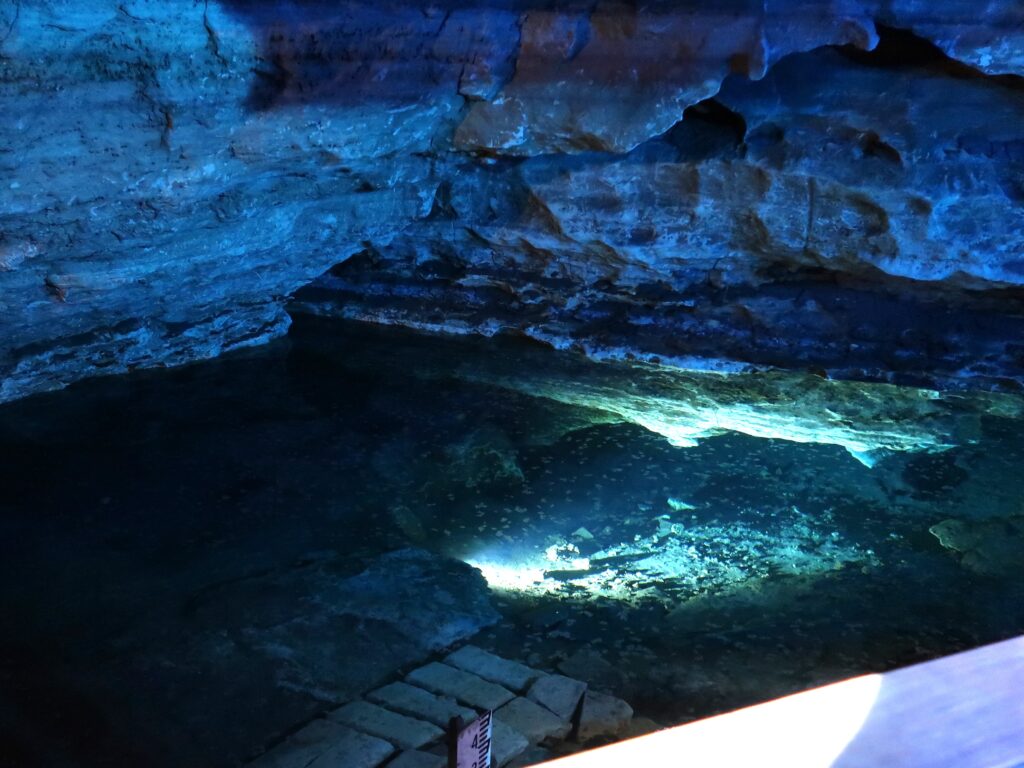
[(965, 710)]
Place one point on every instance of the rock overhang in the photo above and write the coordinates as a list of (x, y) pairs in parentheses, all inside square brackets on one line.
[(175, 170)]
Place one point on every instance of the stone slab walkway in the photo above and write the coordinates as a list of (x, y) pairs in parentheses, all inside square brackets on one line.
[(401, 724)]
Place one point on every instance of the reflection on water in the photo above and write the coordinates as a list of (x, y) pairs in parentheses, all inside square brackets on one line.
[(180, 549)]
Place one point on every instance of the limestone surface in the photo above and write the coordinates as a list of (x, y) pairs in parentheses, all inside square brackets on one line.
[(829, 185)]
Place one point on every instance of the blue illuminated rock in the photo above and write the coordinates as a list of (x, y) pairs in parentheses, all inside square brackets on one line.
[(172, 171), (841, 216)]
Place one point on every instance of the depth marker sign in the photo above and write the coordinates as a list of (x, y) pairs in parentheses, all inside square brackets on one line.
[(471, 746)]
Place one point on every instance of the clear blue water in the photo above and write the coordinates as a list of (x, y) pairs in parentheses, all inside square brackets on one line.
[(156, 528)]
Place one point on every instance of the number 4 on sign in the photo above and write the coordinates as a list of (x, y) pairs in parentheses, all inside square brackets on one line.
[(470, 746)]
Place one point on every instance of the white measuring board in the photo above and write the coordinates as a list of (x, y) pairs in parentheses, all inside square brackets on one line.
[(473, 746)]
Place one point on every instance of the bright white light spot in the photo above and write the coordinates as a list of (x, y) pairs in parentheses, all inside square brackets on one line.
[(512, 578)]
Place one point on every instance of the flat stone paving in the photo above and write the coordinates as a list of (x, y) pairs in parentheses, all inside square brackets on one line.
[(506, 743), (558, 693), (409, 717), (414, 701), (324, 744), (510, 674), (402, 731), (462, 686), (533, 721)]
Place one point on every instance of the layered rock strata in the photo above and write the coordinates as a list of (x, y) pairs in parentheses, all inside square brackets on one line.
[(869, 420), (774, 184)]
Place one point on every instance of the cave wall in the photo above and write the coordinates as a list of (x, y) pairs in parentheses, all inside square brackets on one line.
[(803, 184)]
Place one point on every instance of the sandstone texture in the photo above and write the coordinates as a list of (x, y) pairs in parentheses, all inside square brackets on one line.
[(832, 185)]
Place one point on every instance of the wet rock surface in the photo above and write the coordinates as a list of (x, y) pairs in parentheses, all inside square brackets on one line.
[(990, 547), (777, 185), (869, 420)]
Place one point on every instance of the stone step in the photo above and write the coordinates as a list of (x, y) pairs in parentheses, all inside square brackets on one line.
[(402, 731), (326, 744), (462, 686), (506, 743), (602, 715), (532, 720), (415, 702), (558, 693), (510, 674)]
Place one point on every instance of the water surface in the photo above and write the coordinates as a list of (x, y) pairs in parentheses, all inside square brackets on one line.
[(159, 531)]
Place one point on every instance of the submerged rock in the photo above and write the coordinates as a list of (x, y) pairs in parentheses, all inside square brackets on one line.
[(431, 600), (306, 625), (485, 458), (603, 715), (990, 547), (686, 406)]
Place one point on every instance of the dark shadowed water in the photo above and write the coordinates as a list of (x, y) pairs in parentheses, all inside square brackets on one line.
[(173, 544)]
